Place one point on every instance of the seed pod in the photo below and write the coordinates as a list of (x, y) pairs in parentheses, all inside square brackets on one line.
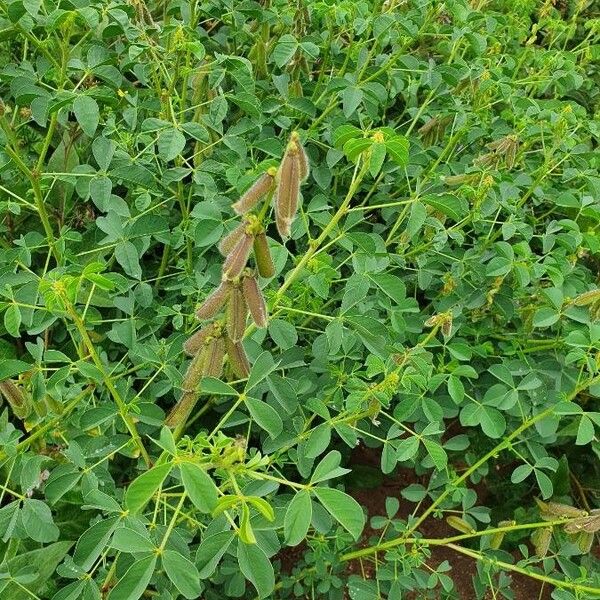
[(195, 343), (255, 301), (496, 538), (193, 375), (237, 311), (550, 511), (213, 362), (236, 260), (214, 302), (262, 256), (255, 192), (228, 243), (459, 524), (586, 298), (541, 539), (591, 524), (237, 358), (18, 401), (303, 163), (288, 189), (585, 539)]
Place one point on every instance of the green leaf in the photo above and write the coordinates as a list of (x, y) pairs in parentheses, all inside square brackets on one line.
[(585, 431), (142, 488), (127, 256), (9, 368), (126, 539), (545, 316), (407, 448), (37, 521), (256, 567), (265, 416), (135, 580), (391, 285), (283, 333), (183, 573), (12, 320), (436, 453), (199, 486), (171, 143), (397, 149), (93, 541), (328, 467), (284, 50), (343, 508), (351, 99), (521, 473), (452, 206), (297, 518), (87, 114), (210, 552)]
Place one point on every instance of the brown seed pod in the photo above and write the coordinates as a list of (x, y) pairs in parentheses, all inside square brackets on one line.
[(255, 192), (236, 260), (262, 256), (214, 302), (586, 298), (237, 311), (497, 538), (302, 157), (255, 301), (237, 358), (585, 539), (18, 401), (550, 511), (541, 539), (228, 243), (193, 375), (214, 354), (195, 343), (288, 189)]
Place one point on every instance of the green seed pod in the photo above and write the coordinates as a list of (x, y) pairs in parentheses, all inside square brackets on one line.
[(237, 358), (236, 260), (195, 343), (228, 243), (262, 256), (459, 524), (237, 312), (19, 403), (288, 189), (541, 539), (255, 192), (586, 298), (585, 539), (255, 301), (497, 538), (214, 302), (214, 354)]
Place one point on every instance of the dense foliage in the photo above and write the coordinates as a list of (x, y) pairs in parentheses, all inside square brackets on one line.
[(433, 306)]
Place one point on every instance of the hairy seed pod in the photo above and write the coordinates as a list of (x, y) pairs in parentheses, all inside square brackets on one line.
[(228, 243), (195, 343), (288, 189), (214, 302), (255, 192), (18, 401), (302, 157), (255, 301), (541, 539), (585, 539), (586, 298), (459, 524), (262, 256), (236, 260), (237, 358), (497, 538), (550, 511), (193, 375), (591, 524), (237, 311), (213, 362)]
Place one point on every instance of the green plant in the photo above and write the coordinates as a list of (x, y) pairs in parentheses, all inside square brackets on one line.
[(398, 361)]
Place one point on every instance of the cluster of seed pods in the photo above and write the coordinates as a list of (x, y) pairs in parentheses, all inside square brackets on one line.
[(239, 294)]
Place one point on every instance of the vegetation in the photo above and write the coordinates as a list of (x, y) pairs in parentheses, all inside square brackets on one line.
[(262, 263)]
